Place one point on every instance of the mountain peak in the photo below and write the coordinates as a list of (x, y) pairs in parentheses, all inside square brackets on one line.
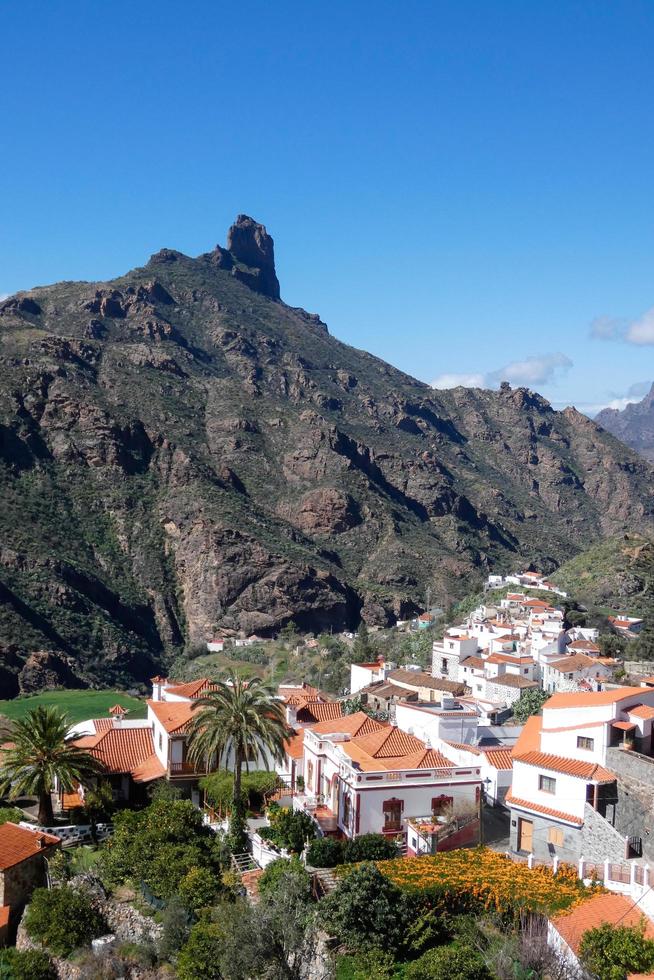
[(250, 244)]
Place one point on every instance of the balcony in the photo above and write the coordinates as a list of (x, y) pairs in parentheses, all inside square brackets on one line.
[(185, 769), (323, 816)]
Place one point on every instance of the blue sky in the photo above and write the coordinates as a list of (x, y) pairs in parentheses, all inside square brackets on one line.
[(463, 188)]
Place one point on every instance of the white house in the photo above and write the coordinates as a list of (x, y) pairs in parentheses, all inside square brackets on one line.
[(562, 790), (364, 776), (569, 673)]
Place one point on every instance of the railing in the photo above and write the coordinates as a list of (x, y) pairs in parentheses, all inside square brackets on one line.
[(624, 878), (185, 769)]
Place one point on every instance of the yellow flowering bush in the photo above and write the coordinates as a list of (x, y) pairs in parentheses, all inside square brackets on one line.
[(482, 880)]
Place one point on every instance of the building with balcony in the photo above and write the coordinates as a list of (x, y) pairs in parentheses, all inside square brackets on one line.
[(365, 776)]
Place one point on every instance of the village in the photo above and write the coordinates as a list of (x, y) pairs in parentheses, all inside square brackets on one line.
[(522, 739)]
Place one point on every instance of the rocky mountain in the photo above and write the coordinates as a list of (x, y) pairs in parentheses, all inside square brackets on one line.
[(634, 424), (616, 574), (182, 453)]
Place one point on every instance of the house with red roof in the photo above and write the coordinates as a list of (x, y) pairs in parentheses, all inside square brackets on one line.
[(366, 776), (565, 798), (23, 867)]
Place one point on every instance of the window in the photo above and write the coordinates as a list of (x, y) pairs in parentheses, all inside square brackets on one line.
[(440, 803), (444, 665), (160, 741), (547, 784), (555, 836), (585, 743), (392, 810), (309, 775), (347, 807)]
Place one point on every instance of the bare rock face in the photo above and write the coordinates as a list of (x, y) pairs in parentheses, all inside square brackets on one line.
[(250, 244), (45, 670), (326, 511), (634, 424)]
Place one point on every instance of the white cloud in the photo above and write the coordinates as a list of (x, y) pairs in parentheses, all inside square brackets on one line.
[(641, 331), (537, 369), (459, 380), (608, 327)]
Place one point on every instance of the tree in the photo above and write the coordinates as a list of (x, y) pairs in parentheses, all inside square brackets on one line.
[(611, 953), (529, 703), (240, 720), (362, 647), (199, 958), (366, 909), (369, 847), (159, 846), (446, 962), (278, 871), (40, 756), (62, 919), (26, 964)]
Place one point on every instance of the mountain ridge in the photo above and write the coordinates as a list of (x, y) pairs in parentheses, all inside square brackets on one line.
[(182, 454), (633, 425)]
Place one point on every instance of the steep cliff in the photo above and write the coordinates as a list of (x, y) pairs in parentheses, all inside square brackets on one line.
[(634, 424), (181, 453)]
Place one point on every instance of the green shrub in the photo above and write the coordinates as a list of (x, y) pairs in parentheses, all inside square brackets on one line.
[(199, 889), (28, 964), (611, 953), (175, 923), (325, 852), (280, 869), (292, 828), (369, 847), (62, 920), (10, 813), (199, 958), (374, 964), (159, 846), (447, 962), (366, 909), (219, 788)]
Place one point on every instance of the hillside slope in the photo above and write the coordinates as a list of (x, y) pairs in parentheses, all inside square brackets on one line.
[(634, 424), (616, 574), (181, 452)]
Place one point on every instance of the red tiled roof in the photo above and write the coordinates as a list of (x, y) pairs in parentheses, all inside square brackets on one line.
[(124, 750), (498, 758), (175, 716), (591, 700), (644, 711), (358, 723), (476, 662), (148, 770), (598, 910), (295, 745), (505, 658), (464, 747), (191, 689), (529, 738), (547, 811), (314, 711), (571, 767), (18, 843), (512, 680), (575, 661), (304, 691), (623, 726)]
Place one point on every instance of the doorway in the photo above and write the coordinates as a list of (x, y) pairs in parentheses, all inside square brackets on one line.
[(525, 835)]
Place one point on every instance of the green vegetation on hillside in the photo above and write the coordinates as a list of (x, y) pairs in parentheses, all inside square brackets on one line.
[(78, 705), (616, 575)]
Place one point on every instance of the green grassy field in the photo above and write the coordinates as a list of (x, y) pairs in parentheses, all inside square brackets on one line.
[(78, 705)]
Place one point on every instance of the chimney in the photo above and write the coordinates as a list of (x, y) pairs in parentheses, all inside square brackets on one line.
[(117, 713), (157, 687)]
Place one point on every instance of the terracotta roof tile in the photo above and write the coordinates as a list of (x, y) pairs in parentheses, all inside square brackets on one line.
[(571, 767), (498, 758), (191, 689), (591, 700), (295, 745), (175, 716), (475, 662), (358, 723), (577, 661), (419, 678), (123, 750), (513, 680), (644, 711), (147, 770), (598, 910), (314, 711), (18, 843), (546, 811), (529, 738), (464, 747)]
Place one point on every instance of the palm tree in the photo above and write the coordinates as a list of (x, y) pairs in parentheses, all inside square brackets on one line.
[(38, 755), (237, 719)]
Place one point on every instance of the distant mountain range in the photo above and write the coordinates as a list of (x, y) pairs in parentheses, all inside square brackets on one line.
[(183, 454), (634, 424)]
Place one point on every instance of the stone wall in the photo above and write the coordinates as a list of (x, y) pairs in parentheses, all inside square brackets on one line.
[(634, 810), (18, 882), (600, 840), (570, 850)]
